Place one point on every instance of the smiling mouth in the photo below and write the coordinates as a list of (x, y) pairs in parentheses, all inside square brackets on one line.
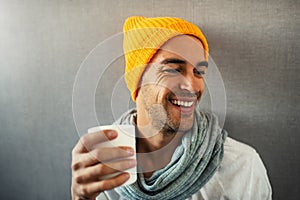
[(186, 104)]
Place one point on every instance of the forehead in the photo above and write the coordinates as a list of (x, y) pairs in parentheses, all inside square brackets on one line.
[(186, 47)]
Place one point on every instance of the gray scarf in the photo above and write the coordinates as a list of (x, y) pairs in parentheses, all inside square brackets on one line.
[(193, 162)]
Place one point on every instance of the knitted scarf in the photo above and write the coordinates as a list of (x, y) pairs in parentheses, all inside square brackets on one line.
[(193, 162)]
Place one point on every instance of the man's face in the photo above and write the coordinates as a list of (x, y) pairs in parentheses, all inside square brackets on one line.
[(172, 84)]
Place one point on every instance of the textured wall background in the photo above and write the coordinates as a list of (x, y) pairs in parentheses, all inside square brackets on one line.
[(255, 45)]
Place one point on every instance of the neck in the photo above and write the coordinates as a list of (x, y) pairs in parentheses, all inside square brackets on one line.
[(155, 148), (157, 140)]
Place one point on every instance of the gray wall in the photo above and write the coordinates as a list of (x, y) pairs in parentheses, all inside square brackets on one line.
[(255, 45)]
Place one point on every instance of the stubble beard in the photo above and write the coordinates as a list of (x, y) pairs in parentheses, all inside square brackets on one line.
[(161, 117), (161, 120)]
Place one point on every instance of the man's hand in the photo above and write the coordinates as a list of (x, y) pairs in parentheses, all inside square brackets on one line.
[(90, 163)]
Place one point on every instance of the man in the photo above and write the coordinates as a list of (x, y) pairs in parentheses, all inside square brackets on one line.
[(182, 153)]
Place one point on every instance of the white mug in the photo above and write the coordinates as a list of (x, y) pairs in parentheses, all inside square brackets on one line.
[(126, 137)]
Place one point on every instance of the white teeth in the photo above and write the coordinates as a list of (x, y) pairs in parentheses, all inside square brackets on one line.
[(183, 103)]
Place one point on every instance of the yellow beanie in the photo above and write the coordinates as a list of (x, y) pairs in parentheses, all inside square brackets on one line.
[(144, 36)]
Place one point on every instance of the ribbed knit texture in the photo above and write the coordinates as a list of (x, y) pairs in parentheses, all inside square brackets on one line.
[(144, 36)]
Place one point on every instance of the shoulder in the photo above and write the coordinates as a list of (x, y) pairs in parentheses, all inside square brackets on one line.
[(235, 150), (241, 175), (241, 159)]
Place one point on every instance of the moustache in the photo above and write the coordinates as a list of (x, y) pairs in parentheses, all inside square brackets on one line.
[(184, 94)]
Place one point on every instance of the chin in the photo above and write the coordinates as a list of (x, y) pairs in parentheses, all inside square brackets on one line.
[(182, 124)]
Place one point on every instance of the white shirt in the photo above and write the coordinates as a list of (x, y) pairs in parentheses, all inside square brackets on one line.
[(241, 176)]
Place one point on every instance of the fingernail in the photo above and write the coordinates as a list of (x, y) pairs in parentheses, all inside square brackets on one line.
[(130, 151), (111, 134), (126, 175)]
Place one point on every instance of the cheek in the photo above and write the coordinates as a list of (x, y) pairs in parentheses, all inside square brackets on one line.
[(201, 86), (170, 84), (160, 93), (153, 94)]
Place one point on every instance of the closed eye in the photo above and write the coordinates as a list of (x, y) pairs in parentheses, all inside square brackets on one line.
[(171, 71), (199, 72)]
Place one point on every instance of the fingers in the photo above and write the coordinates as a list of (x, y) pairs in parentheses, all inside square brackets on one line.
[(94, 173), (100, 155), (110, 183), (91, 162), (111, 153), (87, 141), (100, 186)]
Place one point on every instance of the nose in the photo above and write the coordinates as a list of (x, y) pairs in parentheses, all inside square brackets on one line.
[(189, 82)]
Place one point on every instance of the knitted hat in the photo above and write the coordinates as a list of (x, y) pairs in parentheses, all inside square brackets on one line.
[(144, 36)]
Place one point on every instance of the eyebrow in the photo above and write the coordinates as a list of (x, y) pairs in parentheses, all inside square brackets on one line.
[(179, 61), (202, 63), (173, 61)]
